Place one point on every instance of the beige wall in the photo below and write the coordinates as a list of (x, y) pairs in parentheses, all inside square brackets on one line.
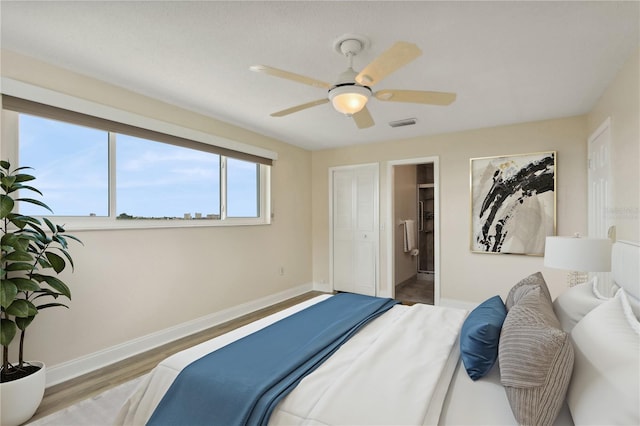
[(405, 202), (130, 283), (621, 102), (466, 276)]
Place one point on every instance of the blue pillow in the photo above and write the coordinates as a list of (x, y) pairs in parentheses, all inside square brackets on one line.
[(480, 335)]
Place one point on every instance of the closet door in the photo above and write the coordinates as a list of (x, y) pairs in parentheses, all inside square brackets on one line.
[(355, 229)]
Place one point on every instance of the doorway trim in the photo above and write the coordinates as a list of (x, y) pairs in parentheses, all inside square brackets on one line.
[(391, 229), (600, 222)]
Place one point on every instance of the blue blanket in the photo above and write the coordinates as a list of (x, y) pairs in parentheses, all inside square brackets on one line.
[(241, 383)]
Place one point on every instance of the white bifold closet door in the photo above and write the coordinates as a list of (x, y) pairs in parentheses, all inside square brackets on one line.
[(355, 228)]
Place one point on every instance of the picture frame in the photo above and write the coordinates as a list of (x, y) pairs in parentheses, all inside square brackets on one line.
[(513, 203)]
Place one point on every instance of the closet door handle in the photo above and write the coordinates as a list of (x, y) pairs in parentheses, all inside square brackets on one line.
[(421, 204)]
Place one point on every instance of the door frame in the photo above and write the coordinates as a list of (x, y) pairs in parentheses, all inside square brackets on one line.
[(599, 223), (377, 220), (391, 229), (592, 227)]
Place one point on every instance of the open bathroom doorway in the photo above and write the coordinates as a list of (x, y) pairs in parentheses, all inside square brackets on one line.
[(415, 238)]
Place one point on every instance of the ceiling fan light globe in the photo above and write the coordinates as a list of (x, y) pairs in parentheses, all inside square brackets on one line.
[(350, 99)]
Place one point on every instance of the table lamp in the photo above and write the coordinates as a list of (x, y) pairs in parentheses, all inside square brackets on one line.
[(580, 255)]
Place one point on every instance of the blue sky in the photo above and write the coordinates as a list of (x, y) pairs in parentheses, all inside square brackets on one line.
[(153, 179)]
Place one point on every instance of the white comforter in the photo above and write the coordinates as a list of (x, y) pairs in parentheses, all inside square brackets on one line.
[(396, 370)]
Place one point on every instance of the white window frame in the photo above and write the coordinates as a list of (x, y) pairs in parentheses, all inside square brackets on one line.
[(9, 150)]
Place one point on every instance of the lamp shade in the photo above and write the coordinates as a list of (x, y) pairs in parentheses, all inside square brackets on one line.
[(578, 254), (349, 99)]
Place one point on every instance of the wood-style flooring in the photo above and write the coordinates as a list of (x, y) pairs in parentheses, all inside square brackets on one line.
[(70, 392)]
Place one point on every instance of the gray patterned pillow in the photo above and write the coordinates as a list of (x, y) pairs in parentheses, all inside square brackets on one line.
[(535, 356), (526, 285)]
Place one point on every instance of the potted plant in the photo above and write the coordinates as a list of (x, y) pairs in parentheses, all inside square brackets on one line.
[(32, 254)]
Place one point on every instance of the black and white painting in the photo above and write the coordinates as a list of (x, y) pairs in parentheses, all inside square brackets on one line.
[(513, 203)]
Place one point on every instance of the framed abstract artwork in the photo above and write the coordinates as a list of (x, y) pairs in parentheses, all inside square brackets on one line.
[(513, 203)]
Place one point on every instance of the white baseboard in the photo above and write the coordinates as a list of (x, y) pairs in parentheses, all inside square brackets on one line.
[(68, 370)]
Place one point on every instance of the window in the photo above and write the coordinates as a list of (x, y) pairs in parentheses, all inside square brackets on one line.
[(160, 181), (105, 178), (70, 165), (243, 182)]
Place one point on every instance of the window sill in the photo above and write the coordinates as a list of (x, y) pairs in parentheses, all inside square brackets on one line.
[(72, 224)]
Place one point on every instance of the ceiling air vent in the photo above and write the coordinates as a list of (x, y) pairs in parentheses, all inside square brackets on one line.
[(403, 122)]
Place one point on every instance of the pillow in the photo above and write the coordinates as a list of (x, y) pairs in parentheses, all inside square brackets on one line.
[(536, 358), (572, 305), (480, 335), (605, 388), (524, 286)]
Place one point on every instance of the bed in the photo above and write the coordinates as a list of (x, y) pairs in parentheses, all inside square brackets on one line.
[(525, 360)]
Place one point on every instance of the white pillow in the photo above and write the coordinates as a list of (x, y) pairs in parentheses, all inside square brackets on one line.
[(572, 305), (634, 303), (605, 386)]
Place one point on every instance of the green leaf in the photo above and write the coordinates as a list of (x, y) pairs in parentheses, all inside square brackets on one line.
[(52, 305), (19, 256), (55, 283), (7, 182), (49, 224), (25, 284), (57, 263), (8, 292), (68, 256), (36, 202), (19, 266), (44, 263), (73, 238), (31, 309), (23, 323), (37, 232), (5, 164), (24, 177), (19, 308), (7, 331), (23, 168), (20, 187), (46, 292), (18, 242), (21, 221), (6, 205), (60, 240)]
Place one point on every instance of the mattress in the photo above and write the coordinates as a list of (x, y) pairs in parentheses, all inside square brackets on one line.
[(396, 370)]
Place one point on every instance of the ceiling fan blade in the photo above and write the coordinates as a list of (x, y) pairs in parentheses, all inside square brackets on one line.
[(397, 56), (363, 118), (299, 108), (416, 96), (290, 76)]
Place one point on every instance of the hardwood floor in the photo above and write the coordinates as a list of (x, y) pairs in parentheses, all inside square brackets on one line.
[(68, 393)]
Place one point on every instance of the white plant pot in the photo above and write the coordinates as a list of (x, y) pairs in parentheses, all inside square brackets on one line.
[(20, 398)]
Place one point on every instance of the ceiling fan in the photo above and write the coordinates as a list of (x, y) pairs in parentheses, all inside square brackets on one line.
[(351, 91)]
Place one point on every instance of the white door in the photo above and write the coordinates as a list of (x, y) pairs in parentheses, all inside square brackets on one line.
[(354, 214), (599, 195)]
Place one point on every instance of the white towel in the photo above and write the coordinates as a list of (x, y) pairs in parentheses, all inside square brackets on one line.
[(409, 235)]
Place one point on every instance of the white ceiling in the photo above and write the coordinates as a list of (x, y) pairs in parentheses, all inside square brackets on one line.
[(508, 62)]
